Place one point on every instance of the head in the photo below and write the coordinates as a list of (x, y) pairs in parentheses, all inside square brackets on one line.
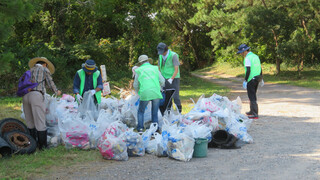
[(162, 48), (89, 66), (143, 59), (243, 50), (43, 61)]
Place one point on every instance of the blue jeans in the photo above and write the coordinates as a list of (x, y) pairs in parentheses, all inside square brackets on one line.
[(154, 112)]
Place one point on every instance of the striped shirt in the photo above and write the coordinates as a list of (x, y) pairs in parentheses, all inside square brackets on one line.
[(41, 74)]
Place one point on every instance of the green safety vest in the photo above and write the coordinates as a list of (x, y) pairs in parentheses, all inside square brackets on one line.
[(149, 86), (95, 75), (168, 69), (255, 68)]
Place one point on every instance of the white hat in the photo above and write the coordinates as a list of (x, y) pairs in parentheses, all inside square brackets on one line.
[(144, 58)]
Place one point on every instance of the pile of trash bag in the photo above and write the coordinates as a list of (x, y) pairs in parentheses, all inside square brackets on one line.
[(109, 127)]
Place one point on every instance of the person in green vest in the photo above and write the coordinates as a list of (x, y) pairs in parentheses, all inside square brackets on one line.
[(147, 82), (88, 79), (169, 67), (253, 76)]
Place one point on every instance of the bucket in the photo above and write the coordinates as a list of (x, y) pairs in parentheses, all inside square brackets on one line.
[(5, 149), (200, 148)]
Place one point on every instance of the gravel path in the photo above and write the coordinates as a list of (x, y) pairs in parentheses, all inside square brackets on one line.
[(286, 144)]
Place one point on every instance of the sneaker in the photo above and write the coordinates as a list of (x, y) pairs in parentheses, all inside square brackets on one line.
[(140, 131), (249, 113), (253, 116)]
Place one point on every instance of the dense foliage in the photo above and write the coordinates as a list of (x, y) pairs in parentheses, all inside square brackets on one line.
[(116, 32)]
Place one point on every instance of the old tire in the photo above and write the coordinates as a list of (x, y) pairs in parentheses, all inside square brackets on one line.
[(11, 124), (5, 148), (20, 142)]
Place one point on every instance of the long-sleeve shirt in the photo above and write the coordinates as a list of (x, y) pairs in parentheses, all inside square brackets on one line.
[(88, 85), (41, 75)]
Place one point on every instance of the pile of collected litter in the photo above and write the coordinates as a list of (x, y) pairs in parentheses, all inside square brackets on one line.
[(109, 127)]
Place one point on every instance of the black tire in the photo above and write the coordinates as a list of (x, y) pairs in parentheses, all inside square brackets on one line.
[(20, 142), (5, 149), (11, 124)]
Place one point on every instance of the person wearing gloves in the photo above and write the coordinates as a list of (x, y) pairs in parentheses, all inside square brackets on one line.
[(147, 82), (253, 75), (169, 67), (34, 106), (88, 79)]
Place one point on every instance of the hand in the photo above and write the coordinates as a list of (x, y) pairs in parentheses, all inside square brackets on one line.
[(170, 80), (58, 93), (262, 83), (79, 98), (244, 84), (92, 92)]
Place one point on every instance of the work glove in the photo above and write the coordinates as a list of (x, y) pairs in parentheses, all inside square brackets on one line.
[(170, 80), (262, 83), (244, 84), (79, 98), (92, 92)]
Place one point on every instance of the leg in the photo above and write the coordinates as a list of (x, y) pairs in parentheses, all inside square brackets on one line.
[(27, 109), (141, 109), (252, 94), (176, 96), (38, 111), (154, 110)]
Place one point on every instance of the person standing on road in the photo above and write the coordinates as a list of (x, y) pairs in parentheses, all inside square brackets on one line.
[(34, 106), (253, 75), (88, 79), (169, 67), (148, 82)]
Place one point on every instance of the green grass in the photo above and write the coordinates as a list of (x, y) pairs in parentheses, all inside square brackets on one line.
[(40, 164), (309, 77)]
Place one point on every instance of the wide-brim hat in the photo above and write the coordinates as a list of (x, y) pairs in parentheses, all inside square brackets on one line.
[(242, 48), (143, 59), (33, 61), (89, 66)]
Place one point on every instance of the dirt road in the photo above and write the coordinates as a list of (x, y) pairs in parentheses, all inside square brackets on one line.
[(286, 145)]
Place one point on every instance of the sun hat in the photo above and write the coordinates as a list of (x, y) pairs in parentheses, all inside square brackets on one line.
[(33, 61), (242, 48), (89, 66), (143, 58), (161, 48)]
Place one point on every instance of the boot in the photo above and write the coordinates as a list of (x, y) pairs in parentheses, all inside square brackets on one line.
[(42, 140), (33, 133)]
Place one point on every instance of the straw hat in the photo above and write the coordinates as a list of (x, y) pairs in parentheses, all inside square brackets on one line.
[(33, 61)]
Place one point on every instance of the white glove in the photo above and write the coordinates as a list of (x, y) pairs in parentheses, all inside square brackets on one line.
[(92, 92), (262, 83), (170, 80), (244, 84), (79, 98)]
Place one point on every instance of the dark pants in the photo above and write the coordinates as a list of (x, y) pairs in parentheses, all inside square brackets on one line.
[(252, 87), (176, 96)]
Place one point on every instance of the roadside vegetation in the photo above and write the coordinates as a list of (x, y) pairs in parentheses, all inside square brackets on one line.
[(309, 77)]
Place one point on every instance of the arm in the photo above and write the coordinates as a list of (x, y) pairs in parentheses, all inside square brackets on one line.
[(136, 83), (99, 84), (176, 63), (50, 82), (247, 73), (76, 84)]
